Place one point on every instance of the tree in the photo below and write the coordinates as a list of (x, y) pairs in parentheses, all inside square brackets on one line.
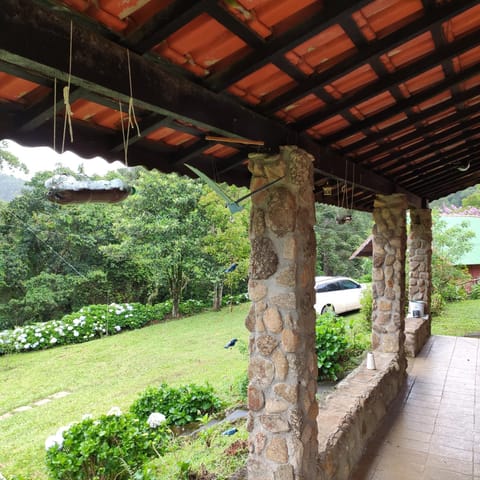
[(161, 230), (7, 159), (336, 241), (449, 245), (225, 243)]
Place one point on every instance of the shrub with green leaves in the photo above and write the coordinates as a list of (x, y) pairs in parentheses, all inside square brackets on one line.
[(112, 447), (366, 302), (475, 292), (87, 324), (331, 345), (180, 406), (437, 304)]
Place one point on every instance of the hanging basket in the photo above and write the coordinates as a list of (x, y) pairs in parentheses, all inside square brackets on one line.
[(64, 189)]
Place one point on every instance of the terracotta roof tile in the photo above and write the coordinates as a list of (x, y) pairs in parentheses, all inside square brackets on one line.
[(220, 151), (409, 52), (264, 84), (329, 126), (322, 51), (170, 136), (382, 17), (200, 45), (373, 105), (15, 89), (463, 24), (353, 81), (300, 108)]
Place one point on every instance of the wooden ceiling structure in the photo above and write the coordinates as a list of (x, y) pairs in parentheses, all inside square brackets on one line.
[(385, 94)]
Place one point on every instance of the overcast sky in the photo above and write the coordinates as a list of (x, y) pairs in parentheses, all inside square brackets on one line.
[(44, 158)]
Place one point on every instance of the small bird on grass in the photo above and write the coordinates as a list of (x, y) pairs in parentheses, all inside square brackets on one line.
[(231, 343)]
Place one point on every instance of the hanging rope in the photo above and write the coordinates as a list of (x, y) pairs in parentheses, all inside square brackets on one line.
[(55, 114), (66, 96), (353, 184), (132, 119)]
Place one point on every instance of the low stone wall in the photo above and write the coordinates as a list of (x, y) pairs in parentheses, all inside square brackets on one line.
[(416, 334), (353, 413)]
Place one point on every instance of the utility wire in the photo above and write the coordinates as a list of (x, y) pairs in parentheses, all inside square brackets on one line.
[(49, 247)]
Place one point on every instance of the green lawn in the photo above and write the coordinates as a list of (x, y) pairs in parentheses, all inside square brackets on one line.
[(111, 372), (458, 319)]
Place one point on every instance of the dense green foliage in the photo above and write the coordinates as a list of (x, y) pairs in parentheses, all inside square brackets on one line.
[(209, 455), (340, 343), (173, 239), (182, 405), (110, 371), (111, 447), (336, 242), (449, 244), (331, 345), (116, 445)]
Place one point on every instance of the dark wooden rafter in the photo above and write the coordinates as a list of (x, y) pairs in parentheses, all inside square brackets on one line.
[(437, 160), (443, 169), (416, 117), (275, 48), (368, 53), (402, 105), (417, 156), (385, 83), (169, 20), (445, 183), (423, 134), (155, 90)]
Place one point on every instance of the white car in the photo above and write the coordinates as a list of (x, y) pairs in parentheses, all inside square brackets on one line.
[(337, 294)]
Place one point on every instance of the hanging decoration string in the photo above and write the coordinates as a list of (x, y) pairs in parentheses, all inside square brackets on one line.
[(353, 184), (66, 95), (132, 119), (55, 114)]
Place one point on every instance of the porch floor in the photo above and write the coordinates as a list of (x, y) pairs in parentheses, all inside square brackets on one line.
[(433, 433)]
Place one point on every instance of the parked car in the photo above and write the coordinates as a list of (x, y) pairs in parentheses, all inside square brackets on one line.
[(337, 294)]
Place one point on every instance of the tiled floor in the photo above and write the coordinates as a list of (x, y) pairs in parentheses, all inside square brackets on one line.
[(433, 433)]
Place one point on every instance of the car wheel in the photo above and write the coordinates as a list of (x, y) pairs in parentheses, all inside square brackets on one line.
[(328, 309)]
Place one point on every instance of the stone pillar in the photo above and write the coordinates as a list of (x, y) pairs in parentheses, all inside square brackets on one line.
[(420, 253), (388, 276), (283, 364)]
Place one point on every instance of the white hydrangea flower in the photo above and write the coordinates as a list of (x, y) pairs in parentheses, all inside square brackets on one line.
[(115, 411), (53, 340), (75, 333), (53, 441), (155, 419), (118, 328)]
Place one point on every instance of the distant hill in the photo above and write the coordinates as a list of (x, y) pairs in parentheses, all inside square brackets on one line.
[(10, 187)]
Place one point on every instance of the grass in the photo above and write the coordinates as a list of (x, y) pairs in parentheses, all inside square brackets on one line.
[(458, 319), (210, 451), (108, 372)]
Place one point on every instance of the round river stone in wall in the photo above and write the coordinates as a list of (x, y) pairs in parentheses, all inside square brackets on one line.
[(264, 260)]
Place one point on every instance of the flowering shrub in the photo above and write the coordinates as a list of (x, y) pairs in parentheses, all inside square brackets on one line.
[(113, 447), (93, 321), (181, 405), (90, 322)]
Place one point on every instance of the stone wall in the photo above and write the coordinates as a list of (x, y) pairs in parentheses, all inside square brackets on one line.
[(416, 335), (283, 366), (388, 273), (354, 412), (420, 253)]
